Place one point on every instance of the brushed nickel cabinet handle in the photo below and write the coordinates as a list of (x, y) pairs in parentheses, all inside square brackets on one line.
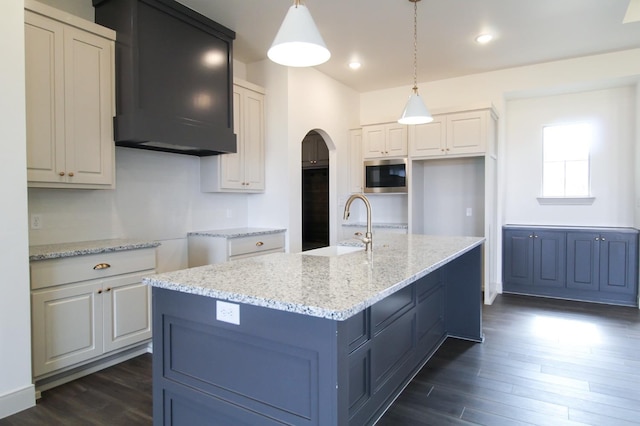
[(101, 266), (259, 244)]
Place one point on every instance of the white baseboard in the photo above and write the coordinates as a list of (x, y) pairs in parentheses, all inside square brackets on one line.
[(17, 401)]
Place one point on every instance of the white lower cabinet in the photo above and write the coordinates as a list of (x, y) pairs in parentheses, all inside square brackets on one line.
[(216, 247), (76, 320)]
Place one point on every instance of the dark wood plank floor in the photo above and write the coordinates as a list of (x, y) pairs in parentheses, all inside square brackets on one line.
[(544, 362)]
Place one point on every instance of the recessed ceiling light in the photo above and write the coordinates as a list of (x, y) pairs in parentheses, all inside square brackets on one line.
[(354, 65), (484, 38)]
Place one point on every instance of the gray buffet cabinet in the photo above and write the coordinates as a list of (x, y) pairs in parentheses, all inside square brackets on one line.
[(304, 339), (577, 263)]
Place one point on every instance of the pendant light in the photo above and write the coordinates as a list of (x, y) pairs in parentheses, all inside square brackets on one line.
[(415, 112), (298, 42)]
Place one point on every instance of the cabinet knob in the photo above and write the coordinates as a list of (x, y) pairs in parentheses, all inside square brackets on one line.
[(108, 289), (100, 291), (259, 244), (61, 173), (531, 236), (358, 234), (597, 238), (71, 174), (535, 236), (101, 266), (601, 238)]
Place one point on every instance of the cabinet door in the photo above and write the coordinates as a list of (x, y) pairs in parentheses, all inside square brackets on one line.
[(618, 262), (253, 140), (373, 141), (549, 258), (518, 257), (231, 165), (66, 326), (127, 311), (355, 161), (428, 140), (467, 132), (88, 108), (396, 140), (583, 252), (44, 78)]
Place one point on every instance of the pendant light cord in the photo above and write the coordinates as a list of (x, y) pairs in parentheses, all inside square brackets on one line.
[(415, 45)]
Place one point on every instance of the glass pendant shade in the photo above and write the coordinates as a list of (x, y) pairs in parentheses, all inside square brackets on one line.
[(415, 112), (298, 42)]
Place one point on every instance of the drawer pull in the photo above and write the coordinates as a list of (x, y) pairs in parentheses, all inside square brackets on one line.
[(101, 266), (259, 244)]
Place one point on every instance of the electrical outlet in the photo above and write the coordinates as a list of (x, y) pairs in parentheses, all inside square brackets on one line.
[(228, 312), (36, 221), (469, 211)]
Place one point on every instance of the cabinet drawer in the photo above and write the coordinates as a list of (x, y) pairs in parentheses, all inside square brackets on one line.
[(255, 244), (52, 272)]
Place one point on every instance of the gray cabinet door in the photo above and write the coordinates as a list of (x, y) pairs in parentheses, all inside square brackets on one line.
[(549, 258), (518, 257), (618, 262), (583, 266)]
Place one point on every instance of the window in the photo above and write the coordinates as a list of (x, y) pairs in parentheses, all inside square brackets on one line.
[(565, 169)]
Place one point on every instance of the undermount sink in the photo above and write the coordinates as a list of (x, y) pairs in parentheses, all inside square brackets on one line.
[(332, 251)]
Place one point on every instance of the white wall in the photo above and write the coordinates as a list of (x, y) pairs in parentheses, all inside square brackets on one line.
[(16, 390), (157, 197), (300, 100), (612, 114)]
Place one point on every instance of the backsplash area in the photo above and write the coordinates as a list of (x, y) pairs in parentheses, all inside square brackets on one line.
[(157, 197)]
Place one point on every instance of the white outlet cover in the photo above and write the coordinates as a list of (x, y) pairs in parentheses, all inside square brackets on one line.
[(228, 312)]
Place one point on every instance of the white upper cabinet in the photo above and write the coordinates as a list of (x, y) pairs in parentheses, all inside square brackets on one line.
[(69, 69), (384, 140), (242, 171), (460, 134)]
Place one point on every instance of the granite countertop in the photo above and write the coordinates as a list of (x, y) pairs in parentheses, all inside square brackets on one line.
[(236, 232), (336, 287), (381, 225), (55, 251)]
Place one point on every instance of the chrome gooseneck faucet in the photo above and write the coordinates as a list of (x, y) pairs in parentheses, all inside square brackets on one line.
[(368, 236)]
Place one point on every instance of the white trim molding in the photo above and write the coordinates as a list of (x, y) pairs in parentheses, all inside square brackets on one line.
[(16, 401), (566, 201)]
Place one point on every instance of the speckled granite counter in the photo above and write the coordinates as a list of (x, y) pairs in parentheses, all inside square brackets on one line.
[(54, 251), (236, 232), (328, 287), (379, 225)]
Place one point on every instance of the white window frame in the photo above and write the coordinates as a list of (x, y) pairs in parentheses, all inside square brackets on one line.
[(565, 199)]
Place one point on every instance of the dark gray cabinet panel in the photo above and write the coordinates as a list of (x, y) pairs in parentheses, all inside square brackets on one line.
[(535, 257), (590, 264)]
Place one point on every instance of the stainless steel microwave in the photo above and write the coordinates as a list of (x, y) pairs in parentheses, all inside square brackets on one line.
[(385, 176)]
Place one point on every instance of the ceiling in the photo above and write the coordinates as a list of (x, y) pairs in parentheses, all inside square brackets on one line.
[(379, 33)]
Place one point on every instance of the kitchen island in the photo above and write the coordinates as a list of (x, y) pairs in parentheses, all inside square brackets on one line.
[(306, 339)]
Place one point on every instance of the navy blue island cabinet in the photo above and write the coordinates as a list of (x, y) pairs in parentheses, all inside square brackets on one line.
[(588, 264), (286, 368)]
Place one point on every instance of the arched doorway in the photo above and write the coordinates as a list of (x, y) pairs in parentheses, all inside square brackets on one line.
[(315, 192)]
